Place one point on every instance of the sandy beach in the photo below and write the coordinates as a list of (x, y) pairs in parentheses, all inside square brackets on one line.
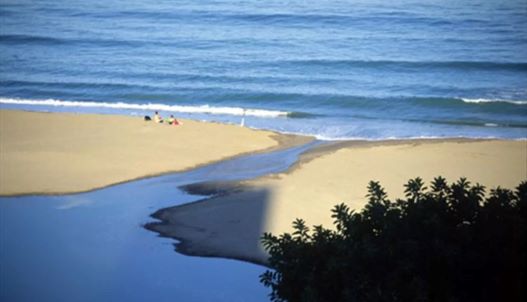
[(56, 153), (230, 225)]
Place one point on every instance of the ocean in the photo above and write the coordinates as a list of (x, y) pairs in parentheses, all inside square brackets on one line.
[(333, 69), (337, 70)]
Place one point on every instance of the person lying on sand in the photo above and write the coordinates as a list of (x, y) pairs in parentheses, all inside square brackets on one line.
[(173, 121)]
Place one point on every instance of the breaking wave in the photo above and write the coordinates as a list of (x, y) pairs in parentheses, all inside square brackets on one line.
[(203, 109), (477, 101)]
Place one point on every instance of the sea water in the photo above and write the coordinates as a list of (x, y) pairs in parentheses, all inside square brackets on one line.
[(334, 69)]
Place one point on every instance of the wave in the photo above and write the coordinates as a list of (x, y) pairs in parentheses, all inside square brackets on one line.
[(204, 109), (337, 102), (451, 121), (217, 92), (398, 138), (15, 39), (25, 39), (277, 18), (478, 101), (382, 103), (466, 65), (475, 123), (52, 41)]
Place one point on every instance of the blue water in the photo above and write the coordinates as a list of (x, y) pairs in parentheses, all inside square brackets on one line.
[(92, 246), (334, 69)]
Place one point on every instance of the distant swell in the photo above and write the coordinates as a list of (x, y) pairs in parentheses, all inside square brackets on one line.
[(204, 109), (486, 104), (29, 39), (465, 65), (45, 40)]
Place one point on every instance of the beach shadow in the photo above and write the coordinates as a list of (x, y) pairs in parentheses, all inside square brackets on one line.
[(229, 224)]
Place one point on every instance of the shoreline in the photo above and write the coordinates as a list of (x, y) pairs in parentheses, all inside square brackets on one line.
[(334, 146), (288, 144), (229, 222), (210, 227), (20, 122)]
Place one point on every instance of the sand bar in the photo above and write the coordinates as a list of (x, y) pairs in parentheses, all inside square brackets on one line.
[(230, 225), (55, 153)]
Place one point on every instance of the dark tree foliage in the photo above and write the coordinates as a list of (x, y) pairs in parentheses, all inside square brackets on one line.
[(445, 243)]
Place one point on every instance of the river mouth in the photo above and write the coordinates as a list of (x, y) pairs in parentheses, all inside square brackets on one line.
[(93, 247)]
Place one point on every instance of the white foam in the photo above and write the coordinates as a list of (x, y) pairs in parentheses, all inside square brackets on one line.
[(365, 138), (206, 109), (466, 100), (396, 138)]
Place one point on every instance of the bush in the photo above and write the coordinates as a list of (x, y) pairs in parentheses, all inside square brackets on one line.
[(446, 243)]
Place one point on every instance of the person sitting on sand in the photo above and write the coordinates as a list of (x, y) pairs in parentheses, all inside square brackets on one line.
[(158, 118), (172, 121)]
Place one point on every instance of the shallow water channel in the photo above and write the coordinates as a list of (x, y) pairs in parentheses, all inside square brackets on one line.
[(93, 247)]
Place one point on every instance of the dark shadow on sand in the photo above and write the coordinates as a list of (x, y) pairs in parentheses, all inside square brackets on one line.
[(229, 221), (229, 224)]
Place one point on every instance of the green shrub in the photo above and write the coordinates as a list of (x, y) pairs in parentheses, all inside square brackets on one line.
[(445, 243)]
